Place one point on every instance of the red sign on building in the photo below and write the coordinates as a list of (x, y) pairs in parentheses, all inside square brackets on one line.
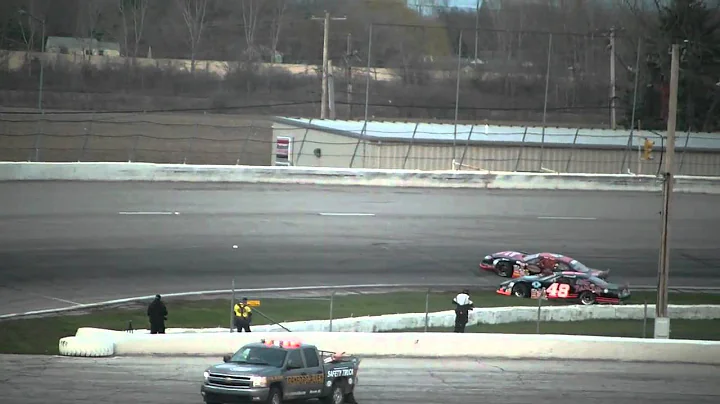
[(283, 151)]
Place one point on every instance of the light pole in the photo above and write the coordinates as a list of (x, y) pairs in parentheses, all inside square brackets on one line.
[(42, 57)]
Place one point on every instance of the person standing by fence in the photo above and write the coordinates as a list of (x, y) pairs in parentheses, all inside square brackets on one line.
[(157, 314), (243, 316), (463, 306)]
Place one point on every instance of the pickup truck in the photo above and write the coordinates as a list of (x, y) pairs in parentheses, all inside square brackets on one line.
[(277, 371)]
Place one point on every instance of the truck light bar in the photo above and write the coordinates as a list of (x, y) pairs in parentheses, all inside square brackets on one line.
[(281, 344)]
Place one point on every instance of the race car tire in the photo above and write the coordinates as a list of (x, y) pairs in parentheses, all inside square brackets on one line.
[(504, 269), (521, 290), (86, 347), (587, 298)]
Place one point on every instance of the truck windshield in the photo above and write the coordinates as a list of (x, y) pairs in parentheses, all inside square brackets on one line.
[(260, 356)]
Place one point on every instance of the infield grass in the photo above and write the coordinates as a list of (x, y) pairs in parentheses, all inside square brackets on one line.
[(41, 335)]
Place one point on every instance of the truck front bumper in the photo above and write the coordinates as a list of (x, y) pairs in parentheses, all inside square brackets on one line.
[(216, 394)]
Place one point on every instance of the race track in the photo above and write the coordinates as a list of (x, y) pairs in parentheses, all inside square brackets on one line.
[(64, 243), (32, 380)]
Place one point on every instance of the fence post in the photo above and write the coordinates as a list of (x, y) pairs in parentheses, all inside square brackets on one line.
[(232, 306), (84, 147), (537, 325), (332, 301), (412, 140), (457, 93), (645, 320), (131, 153), (427, 308), (302, 144), (88, 132), (362, 134), (547, 89), (682, 157), (189, 149), (467, 144), (626, 156), (522, 147), (567, 168)]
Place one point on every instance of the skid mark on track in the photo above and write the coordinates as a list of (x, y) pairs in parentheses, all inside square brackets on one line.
[(701, 261)]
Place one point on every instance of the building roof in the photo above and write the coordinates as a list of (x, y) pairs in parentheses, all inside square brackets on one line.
[(507, 135)]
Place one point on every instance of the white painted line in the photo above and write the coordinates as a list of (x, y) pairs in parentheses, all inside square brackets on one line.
[(148, 213), (346, 214), (565, 218)]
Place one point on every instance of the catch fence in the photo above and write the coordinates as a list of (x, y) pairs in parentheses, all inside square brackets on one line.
[(186, 138), (332, 306)]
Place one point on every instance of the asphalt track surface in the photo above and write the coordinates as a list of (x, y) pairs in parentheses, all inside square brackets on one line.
[(66, 243), (177, 380)]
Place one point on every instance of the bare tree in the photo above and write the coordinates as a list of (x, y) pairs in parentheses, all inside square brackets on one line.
[(133, 13), (88, 17), (276, 25), (193, 13), (251, 10), (29, 34)]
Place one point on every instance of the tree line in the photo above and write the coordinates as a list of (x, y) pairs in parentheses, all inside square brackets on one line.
[(509, 51)]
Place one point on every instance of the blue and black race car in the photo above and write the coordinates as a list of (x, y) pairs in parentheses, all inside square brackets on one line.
[(580, 287)]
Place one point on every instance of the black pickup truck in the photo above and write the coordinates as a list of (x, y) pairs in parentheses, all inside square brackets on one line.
[(277, 371)]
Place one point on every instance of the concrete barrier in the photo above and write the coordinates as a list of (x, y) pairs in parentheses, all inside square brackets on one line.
[(10, 171), (446, 319), (438, 345), (101, 342)]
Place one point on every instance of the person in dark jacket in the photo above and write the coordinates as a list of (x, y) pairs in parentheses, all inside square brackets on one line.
[(157, 313), (463, 306)]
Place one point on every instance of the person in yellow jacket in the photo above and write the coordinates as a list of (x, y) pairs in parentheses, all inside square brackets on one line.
[(243, 316)]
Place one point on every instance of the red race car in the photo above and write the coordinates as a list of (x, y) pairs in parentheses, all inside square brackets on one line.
[(514, 264)]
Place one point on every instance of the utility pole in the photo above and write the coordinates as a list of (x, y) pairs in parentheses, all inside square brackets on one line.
[(477, 25), (613, 110), (326, 35), (662, 321), (348, 75)]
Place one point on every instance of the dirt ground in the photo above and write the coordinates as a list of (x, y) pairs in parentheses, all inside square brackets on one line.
[(190, 138)]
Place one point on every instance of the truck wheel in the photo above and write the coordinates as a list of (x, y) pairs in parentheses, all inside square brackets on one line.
[(336, 395), (275, 396), (504, 269)]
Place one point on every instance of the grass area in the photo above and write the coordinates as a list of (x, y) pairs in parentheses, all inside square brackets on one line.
[(679, 329), (41, 335)]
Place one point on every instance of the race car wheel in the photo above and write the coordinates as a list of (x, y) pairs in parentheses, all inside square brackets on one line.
[(504, 269), (587, 298), (521, 290)]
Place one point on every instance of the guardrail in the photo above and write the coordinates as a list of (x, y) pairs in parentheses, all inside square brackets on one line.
[(343, 176)]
